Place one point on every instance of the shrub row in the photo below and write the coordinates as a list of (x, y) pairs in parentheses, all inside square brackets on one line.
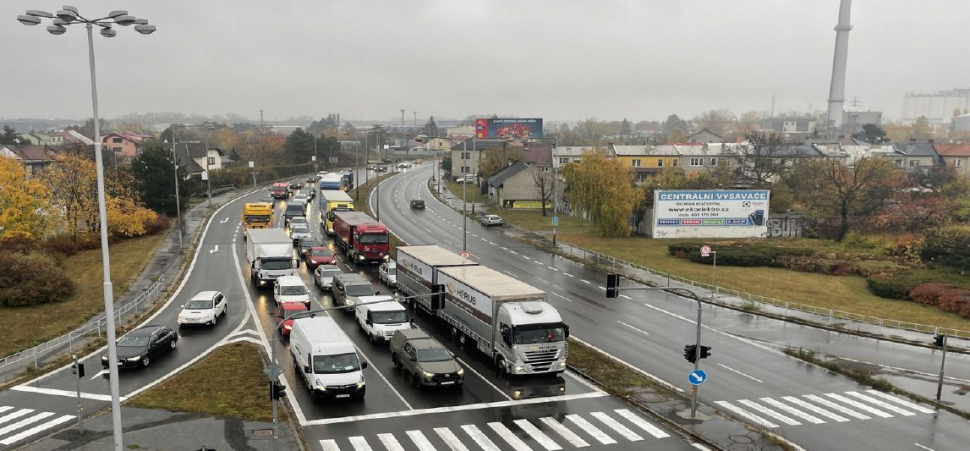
[(947, 298), (899, 284), (739, 254), (32, 279), (949, 246)]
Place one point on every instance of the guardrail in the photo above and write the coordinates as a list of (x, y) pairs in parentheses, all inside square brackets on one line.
[(96, 326), (652, 275)]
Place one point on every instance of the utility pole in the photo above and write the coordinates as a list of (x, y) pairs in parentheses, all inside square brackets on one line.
[(415, 118), (178, 207), (402, 117), (941, 342)]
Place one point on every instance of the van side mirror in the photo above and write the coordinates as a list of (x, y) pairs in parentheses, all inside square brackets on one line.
[(369, 322), (377, 292), (363, 365), (566, 329), (306, 369)]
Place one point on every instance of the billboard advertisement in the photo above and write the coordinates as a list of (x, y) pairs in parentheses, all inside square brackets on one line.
[(504, 127), (710, 213)]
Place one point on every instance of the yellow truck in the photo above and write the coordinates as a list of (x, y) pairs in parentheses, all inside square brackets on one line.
[(258, 215), (331, 201)]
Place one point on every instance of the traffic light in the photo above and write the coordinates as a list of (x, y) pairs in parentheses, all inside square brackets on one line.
[(612, 285), (78, 369), (690, 353), (705, 352), (276, 390), (939, 340)]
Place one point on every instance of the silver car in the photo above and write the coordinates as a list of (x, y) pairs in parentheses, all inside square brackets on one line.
[(388, 273), (299, 232), (490, 220), (323, 276)]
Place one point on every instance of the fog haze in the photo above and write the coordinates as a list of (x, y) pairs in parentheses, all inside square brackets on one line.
[(561, 60)]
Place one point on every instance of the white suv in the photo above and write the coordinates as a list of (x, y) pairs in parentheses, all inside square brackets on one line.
[(204, 308)]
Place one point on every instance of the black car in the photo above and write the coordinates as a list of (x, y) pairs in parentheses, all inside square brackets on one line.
[(138, 347), (382, 169), (296, 185), (417, 204), (311, 179), (307, 243)]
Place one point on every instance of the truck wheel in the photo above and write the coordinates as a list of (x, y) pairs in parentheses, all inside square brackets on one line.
[(503, 371), (415, 381), (370, 337)]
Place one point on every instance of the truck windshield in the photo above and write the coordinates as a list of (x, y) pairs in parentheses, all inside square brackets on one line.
[(276, 264), (373, 238), (433, 355), (539, 333), (360, 290), (334, 364), (257, 218), (390, 317)]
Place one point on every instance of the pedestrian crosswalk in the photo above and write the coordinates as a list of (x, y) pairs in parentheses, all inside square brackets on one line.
[(821, 409), (547, 433), (18, 425)]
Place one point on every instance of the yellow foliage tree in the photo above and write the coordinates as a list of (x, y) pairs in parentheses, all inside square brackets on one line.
[(603, 188), (25, 210)]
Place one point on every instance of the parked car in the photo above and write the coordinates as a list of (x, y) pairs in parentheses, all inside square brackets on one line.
[(319, 255), (490, 220), (323, 276), (299, 232), (284, 315), (417, 204), (467, 178), (291, 289), (138, 347), (388, 273), (305, 244), (204, 308), (425, 362), (382, 169)]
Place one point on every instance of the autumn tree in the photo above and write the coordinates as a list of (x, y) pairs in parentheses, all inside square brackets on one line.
[(673, 121), (72, 181), (498, 158), (897, 132), (676, 136), (717, 121), (921, 129), (760, 160), (603, 189), (544, 183), (154, 174), (25, 210), (957, 194), (749, 122), (844, 190)]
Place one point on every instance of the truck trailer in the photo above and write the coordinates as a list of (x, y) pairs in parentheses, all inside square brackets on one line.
[(362, 238), (270, 255), (330, 201), (417, 271)]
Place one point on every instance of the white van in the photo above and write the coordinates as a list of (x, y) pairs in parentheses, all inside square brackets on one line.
[(327, 359), (291, 289), (380, 321)]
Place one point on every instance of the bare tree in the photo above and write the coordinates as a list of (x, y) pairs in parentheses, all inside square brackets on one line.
[(544, 185), (759, 161)]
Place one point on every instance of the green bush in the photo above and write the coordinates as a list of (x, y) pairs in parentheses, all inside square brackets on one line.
[(899, 284), (738, 254), (31, 279), (948, 246)]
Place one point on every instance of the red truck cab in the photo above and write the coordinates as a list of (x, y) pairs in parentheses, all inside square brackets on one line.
[(280, 190), (364, 239)]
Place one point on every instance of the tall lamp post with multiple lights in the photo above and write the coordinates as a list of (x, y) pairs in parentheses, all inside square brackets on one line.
[(70, 16)]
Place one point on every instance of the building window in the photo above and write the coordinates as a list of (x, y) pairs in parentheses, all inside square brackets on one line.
[(564, 161), (212, 161), (713, 161), (466, 155), (116, 140), (116, 149), (675, 162), (957, 163), (660, 163), (697, 162), (899, 163), (636, 163), (641, 177), (913, 163)]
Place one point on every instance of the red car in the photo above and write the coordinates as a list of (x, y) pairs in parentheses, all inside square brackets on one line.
[(319, 255), (283, 313)]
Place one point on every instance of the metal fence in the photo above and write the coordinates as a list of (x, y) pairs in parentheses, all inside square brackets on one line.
[(96, 326), (661, 278)]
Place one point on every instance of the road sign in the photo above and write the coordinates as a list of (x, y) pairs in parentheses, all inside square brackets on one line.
[(555, 221), (705, 251), (465, 254), (697, 377)]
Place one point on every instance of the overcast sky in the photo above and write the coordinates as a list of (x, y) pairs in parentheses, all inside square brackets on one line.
[(560, 60)]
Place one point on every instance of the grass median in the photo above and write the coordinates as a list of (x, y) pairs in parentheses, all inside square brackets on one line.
[(24, 327), (362, 192), (229, 382)]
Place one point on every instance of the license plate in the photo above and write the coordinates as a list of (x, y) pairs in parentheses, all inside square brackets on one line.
[(343, 396), (447, 382)]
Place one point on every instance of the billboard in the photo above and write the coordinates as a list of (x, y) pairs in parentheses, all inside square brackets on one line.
[(710, 213), (503, 127)]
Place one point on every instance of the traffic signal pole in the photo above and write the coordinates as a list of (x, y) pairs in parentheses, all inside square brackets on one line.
[(941, 341), (697, 362)]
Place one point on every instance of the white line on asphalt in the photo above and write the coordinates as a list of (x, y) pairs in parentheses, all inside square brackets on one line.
[(570, 275), (537, 435), (634, 328), (420, 440), (479, 437), (490, 384), (29, 432), (616, 426), (858, 405), (798, 413), (736, 371), (924, 447), (99, 374), (901, 401), (66, 393), (699, 446), (513, 252), (527, 258), (214, 249), (630, 366), (5, 408), (601, 288), (491, 243), (837, 407), (359, 443), (563, 431), (641, 423), (509, 437), (766, 411), (588, 427), (745, 340), (564, 297), (504, 248), (744, 413), (879, 403), (449, 409), (626, 297), (450, 439), (17, 414), (554, 269), (586, 281), (24, 422), (814, 408)]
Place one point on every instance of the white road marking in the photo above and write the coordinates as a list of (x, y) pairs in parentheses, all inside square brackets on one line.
[(626, 297), (832, 405), (585, 281), (99, 374), (490, 384), (616, 426), (537, 435), (359, 443), (601, 288), (814, 408), (527, 258), (588, 427), (509, 437), (634, 328), (566, 273), (15, 415), (554, 269), (744, 413), (561, 296), (5, 408), (738, 372), (924, 447), (879, 403), (793, 411), (641, 423), (14, 426), (513, 252), (504, 248), (450, 439), (65, 393), (901, 401), (491, 243), (420, 441), (224, 221), (563, 431), (214, 249), (513, 275), (29, 432), (479, 437), (858, 405), (390, 442), (772, 413)]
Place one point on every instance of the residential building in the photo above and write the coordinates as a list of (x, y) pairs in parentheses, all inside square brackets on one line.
[(704, 136), (461, 132), (438, 144), (916, 156), (34, 158), (704, 157), (191, 166), (568, 154), (537, 154), (467, 155), (791, 124), (955, 156), (516, 187), (645, 160), (854, 120), (212, 158), (42, 139), (125, 145)]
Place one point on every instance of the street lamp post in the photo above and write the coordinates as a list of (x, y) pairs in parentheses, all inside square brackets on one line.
[(208, 173), (70, 16), (178, 206)]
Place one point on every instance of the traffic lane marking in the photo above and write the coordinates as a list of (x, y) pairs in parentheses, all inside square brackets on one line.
[(738, 372), (634, 328)]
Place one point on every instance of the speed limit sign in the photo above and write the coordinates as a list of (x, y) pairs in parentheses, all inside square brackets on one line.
[(465, 254), (705, 251)]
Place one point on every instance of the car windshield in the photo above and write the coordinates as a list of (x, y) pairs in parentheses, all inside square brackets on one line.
[(373, 238), (433, 355), (321, 253), (133, 340), (360, 290), (390, 317), (198, 305), (292, 290), (525, 335), (276, 264), (334, 364), (299, 228), (307, 243), (392, 270)]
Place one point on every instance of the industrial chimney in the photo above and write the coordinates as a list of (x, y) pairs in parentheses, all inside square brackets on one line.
[(837, 89)]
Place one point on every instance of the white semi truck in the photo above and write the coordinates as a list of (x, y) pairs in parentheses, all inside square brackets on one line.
[(270, 255), (506, 319)]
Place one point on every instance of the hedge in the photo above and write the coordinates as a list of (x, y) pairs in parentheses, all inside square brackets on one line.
[(739, 255), (901, 283), (949, 246), (32, 279)]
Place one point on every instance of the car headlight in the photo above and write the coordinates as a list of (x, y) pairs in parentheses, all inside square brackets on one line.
[(104, 358), (360, 384), (562, 365), (427, 375), (461, 371), (518, 369), (135, 358), (516, 394), (181, 317), (287, 327)]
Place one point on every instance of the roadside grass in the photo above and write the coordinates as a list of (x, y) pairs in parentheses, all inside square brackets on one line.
[(848, 293), (533, 220), (24, 327), (618, 379), (229, 382), (471, 193)]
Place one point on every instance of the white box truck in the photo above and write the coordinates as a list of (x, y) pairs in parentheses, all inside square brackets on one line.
[(270, 255), (326, 359), (417, 271)]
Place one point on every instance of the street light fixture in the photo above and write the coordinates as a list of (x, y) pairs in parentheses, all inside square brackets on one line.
[(69, 15)]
